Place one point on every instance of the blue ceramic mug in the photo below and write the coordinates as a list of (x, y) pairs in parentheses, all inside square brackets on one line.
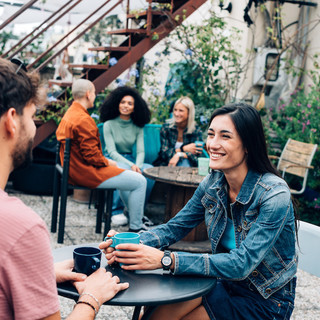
[(86, 259), (124, 237), (200, 144)]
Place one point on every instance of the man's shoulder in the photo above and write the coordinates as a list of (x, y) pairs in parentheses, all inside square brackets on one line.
[(16, 217)]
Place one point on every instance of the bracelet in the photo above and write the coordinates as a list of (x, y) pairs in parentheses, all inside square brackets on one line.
[(90, 305), (92, 296), (181, 148)]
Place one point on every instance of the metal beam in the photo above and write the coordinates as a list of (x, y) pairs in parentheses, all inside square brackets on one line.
[(145, 45), (16, 14), (74, 39), (37, 28), (43, 30)]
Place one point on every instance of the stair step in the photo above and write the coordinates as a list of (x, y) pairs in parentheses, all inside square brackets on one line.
[(127, 31), (90, 66), (161, 1), (143, 14), (102, 48), (61, 83)]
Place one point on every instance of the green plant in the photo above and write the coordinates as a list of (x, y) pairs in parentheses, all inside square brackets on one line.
[(299, 119), (97, 34), (209, 70), (4, 38), (55, 110)]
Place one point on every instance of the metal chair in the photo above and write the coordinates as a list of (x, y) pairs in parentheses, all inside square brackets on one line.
[(295, 159), (61, 187)]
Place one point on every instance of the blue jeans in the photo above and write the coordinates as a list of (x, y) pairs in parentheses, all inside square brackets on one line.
[(117, 206), (239, 300), (132, 187)]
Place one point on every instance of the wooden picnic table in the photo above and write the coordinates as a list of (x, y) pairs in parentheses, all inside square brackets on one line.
[(181, 184)]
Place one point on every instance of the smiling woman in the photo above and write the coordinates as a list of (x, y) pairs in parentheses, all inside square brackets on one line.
[(178, 137), (250, 221), (125, 113)]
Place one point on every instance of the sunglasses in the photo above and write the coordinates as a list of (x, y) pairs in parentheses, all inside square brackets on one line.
[(20, 64)]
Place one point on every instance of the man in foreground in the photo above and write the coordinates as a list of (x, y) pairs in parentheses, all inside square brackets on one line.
[(27, 273)]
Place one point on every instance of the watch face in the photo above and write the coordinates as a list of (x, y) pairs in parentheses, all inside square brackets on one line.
[(166, 261)]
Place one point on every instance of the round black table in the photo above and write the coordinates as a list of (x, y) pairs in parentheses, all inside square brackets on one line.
[(147, 288)]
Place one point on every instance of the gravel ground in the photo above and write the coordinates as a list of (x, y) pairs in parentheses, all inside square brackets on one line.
[(80, 228)]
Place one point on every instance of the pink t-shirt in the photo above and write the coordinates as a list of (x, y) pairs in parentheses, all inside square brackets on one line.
[(27, 281)]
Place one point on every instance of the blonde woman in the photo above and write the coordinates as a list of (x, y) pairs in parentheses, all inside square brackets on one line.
[(178, 137)]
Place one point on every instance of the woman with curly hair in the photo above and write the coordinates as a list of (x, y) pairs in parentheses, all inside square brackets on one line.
[(125, 113)]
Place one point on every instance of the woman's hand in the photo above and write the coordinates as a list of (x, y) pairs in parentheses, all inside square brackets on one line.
[(192, 148), (174, 160), (138, 256), (63, 271), (102, 285), (106, 249), (135, 168)]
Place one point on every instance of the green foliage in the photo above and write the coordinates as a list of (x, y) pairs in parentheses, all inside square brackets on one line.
[(209, 70), (97, 34), (4, 38), (299, 119), (55, 110)]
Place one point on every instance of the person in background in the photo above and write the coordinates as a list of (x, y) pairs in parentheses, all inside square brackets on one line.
[(28, 276), (88, 166), (125, 113), (178, 137), (251, 223)]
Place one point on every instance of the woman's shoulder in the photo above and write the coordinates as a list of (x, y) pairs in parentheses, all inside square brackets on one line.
[(272, 179)]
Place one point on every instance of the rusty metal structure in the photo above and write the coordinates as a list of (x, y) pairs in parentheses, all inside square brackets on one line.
[(156, 25)]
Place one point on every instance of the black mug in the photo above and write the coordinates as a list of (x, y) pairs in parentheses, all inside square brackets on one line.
[(86, 259)]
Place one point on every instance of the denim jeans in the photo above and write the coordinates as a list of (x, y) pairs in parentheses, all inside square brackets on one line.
[(132, 186), (239, 300), (117, 206)]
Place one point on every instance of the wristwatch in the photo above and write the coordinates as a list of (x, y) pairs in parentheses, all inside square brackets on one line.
[(166, 260), (180, 154)]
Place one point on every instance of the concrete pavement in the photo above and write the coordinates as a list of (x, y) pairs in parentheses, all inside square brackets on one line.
[(80, 228)]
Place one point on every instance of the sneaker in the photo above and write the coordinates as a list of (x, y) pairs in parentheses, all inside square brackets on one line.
[(144, 228), (119, 219), (147, 222)]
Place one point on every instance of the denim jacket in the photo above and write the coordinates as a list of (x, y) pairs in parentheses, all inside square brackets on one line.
[(263, 219)]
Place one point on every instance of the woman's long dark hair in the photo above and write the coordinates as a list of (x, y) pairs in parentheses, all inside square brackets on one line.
[(248, 124), (110, 108)]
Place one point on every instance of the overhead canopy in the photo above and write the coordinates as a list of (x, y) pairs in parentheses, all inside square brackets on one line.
[(43, 9)]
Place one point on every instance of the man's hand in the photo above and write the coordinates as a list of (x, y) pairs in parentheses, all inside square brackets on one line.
[(63, 271), (103, 285)]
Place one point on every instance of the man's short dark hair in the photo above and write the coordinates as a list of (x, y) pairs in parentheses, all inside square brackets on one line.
[(17, 87)]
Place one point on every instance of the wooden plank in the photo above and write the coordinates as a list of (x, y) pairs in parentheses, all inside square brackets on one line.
[(300, 147), (127, 31), (90, 66), (143, 14), (105, 48), (44, 131), (298, 171), (60, 83)]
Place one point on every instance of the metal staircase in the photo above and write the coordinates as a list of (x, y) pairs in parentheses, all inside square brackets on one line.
[(155, 24)]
